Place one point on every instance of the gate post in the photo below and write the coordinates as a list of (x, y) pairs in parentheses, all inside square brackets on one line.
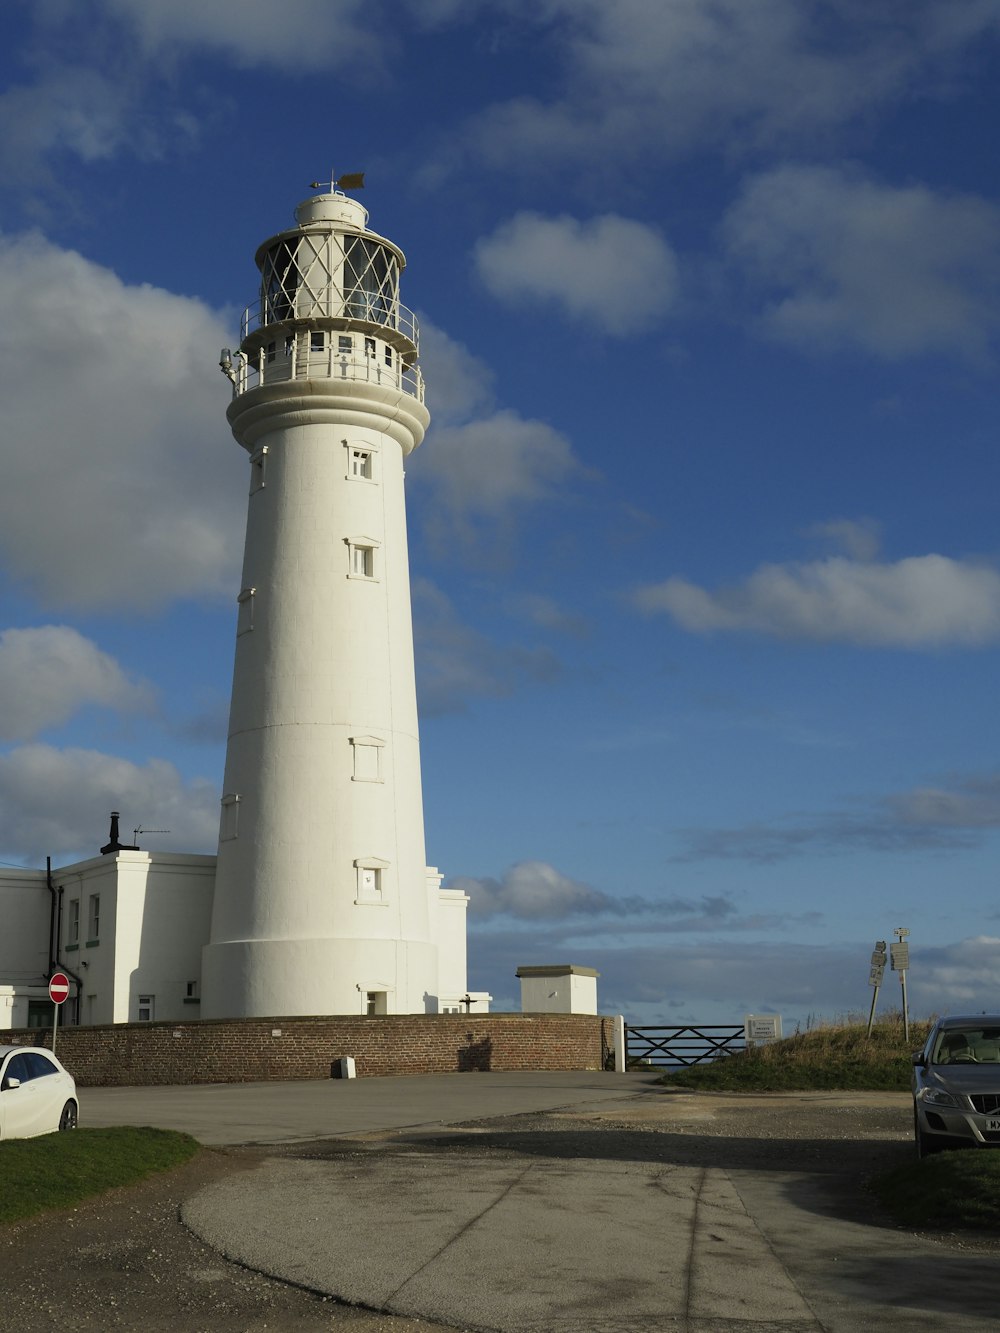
[(620, 1046)]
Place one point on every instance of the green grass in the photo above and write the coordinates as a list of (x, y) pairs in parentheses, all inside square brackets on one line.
[(947, 1191), (58, 1170), (828, 1057)]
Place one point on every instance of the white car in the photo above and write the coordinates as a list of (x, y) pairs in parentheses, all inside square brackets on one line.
[(37, 1095)]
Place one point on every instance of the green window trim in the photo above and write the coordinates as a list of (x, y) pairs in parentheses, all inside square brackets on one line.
[(69, 948), (92, 944)]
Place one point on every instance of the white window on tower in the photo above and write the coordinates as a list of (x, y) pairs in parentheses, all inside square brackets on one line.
[(145, 1008), (229, 823), (244, 613), (369, 347), (317, 340), (361, 464), (371, 874), (258, 468), (73, 927), (270, 351), (367, 758), (345, 343), (361, 557)]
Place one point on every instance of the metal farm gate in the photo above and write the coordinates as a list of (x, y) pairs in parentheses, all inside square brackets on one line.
[(671, 1047)]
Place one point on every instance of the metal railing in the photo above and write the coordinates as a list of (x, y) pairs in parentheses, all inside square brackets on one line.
[(331, 304), (671, 1047), (325, 365)]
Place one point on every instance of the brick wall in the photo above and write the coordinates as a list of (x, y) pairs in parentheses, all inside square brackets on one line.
[(257, 1049)]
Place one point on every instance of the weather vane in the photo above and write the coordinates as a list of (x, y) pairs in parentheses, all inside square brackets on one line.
[(352, 181)]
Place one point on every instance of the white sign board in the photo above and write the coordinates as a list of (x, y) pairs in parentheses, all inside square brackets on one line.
[(761, 1028)]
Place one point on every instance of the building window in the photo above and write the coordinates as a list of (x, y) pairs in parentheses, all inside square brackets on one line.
[(317, 340), (258, 468), (146, 1008), (289, 343), (388, 356), (361, 463), (361, 558), (371, 880), (73, 927), (271, 351), (367, 758), (345, 342), (244, 614), (376, 1002), (228, 825), (94, 918), (191, 990), (369, 347)]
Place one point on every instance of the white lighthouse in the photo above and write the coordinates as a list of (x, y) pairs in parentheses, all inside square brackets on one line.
[(323, 903)]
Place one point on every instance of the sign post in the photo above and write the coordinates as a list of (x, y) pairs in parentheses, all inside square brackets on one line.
[(900, 954), (875, 978), (58, 994)]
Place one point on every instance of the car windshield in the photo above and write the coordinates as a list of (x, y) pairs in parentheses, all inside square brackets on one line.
[(972, 1045)]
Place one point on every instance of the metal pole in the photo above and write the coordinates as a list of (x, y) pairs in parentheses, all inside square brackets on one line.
[(871, 1016), (55, 1024), (906, 1015)]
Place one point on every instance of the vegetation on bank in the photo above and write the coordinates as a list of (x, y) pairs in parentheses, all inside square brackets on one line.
[(830, 1056), (59, 1170)]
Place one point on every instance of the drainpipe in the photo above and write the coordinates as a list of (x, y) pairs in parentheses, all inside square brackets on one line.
[(55, 940)]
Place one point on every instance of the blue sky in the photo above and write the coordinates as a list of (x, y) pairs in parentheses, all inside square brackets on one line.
[(703, 535)]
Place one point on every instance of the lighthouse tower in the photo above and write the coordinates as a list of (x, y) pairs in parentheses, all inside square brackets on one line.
[(323, 902)]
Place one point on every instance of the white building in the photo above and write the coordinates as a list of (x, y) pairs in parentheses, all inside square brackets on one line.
[(320, 900)]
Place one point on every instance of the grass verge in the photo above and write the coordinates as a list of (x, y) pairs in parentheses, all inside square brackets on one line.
[(950, 1190), (835, 1056), (58, 1170)]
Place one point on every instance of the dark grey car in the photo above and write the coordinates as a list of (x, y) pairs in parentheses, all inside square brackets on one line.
[(956, 1084)]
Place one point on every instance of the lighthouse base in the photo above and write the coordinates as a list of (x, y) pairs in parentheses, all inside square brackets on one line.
[(279, 978)]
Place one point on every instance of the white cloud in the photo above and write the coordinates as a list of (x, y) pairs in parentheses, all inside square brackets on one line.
[(920, 602), (309, 34), (618, 275), (844, 261), (122, 484), (480, 467), (456, 663), (639, 81), (46, 674), (858, 538), (533, 890), (56, 802), (959, 978)]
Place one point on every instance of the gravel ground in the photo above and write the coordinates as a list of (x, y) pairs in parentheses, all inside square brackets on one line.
[(125, 1261)]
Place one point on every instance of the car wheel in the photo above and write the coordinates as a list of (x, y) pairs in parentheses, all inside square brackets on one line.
[(68, 1119), (925, 1145)]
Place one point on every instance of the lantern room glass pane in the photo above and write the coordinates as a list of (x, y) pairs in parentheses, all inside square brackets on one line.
[(371, 281)]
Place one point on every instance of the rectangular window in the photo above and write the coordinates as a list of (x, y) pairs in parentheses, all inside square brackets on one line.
[(94, 918), (371, 880), (191, 991), (289, 343), (361, 463), (345, 342), (362, 562), (367, 758), (229, 823), (244, 613), (317, 340), (375, 1002), (146, 1008), (270, 351), (369, 347), (388, 356), (258, 465), (73, 927)]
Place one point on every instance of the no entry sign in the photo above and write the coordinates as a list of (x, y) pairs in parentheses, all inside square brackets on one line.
[(58, 987)]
